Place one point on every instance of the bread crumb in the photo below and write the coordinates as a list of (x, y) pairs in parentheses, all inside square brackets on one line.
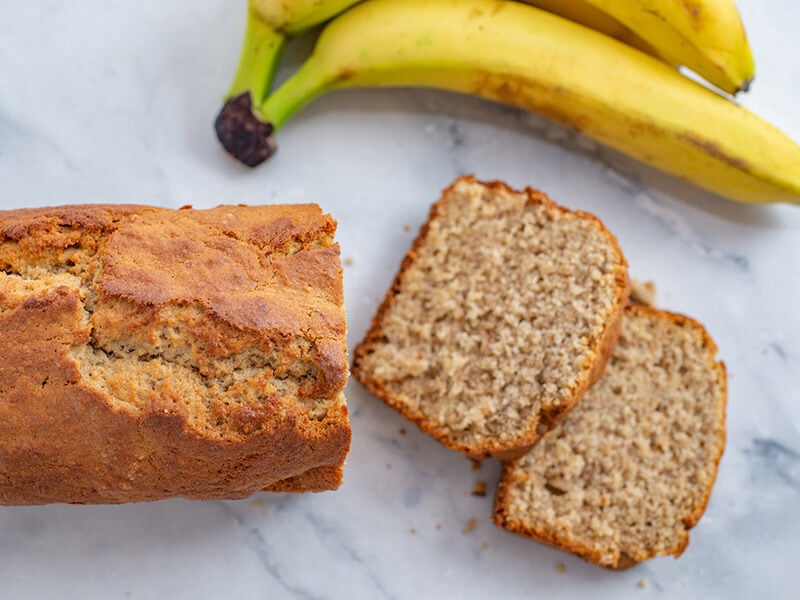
[(257, 503), (412, 531), (484, 546), (476, 464), (642, 583), (402, 431), (388, 467), (406, 228), (479, 489), (348, 261), (643, 292), (438, 526), (561, 568), (471, 525)]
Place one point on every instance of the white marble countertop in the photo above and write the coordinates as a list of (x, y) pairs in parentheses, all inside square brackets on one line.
[(110, 101)]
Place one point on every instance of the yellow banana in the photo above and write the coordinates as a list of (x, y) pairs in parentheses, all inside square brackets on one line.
[(521, 55), (584, 13), (707, 36), (296, 16), (269, 24)]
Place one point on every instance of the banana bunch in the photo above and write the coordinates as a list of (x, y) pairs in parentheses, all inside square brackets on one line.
[(571, 68)]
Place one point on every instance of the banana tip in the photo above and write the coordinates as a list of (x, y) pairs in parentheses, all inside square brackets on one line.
[(745, 86), (243, 135)]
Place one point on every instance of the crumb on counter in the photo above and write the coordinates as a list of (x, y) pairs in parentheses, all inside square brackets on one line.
[(642, 582), (402, 431), (479, 489), (406, 228), (643, 292), (561, 568), (348, 261), (476, 464), (471, 525)]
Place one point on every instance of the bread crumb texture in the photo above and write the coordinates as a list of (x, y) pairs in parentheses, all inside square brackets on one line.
[(152, 353), (502, 314), (643, 292), (630, 470)]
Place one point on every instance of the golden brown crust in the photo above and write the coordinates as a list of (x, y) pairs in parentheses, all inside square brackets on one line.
[(318, 479), (600, 351), (65, 437), (513, 523)]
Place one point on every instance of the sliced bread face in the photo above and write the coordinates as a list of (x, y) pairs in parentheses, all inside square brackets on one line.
[(503, 313), (630, 470)]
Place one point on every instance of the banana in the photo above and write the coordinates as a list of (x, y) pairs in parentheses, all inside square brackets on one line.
[(707, 36), (263, 46), (581, 11), (520, 55), (293, 17), (269, 24)]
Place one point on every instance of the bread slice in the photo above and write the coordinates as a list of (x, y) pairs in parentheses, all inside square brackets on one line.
[(630, 470), (503, 313), (150, 353)]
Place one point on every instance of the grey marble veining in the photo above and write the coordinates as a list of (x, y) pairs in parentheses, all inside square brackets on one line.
[(113, 102)]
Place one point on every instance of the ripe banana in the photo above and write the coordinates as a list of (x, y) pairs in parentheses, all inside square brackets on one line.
[(581, 11), (296, 16), (707, 36), (269, 24), (521, 55)]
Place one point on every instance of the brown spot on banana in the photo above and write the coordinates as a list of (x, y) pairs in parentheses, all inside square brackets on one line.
[(694, 11), (715, 151), (344, 74), (552, 102)]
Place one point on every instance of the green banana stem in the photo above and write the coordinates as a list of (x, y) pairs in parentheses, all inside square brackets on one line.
[(258, 61), (238, 129), (245, 128), (269, 22), (297, 91)]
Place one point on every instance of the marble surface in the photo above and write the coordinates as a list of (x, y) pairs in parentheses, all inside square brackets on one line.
[(113, 102)]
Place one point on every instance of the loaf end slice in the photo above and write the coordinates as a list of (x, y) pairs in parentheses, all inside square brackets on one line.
[(630, 470), (501, 316)]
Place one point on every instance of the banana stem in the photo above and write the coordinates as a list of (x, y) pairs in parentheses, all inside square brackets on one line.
[(245, 129), (241, 133), (258, 61), (292, 95)]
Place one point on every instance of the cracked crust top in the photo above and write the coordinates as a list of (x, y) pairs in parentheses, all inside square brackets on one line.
[(151, 353)]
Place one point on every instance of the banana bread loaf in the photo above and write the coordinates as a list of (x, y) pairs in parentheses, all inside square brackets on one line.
[(503, 313), (630, 470), (150, 353)]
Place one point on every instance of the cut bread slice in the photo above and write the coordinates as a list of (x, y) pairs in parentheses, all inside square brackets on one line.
[(630, 470), (503, 313)]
